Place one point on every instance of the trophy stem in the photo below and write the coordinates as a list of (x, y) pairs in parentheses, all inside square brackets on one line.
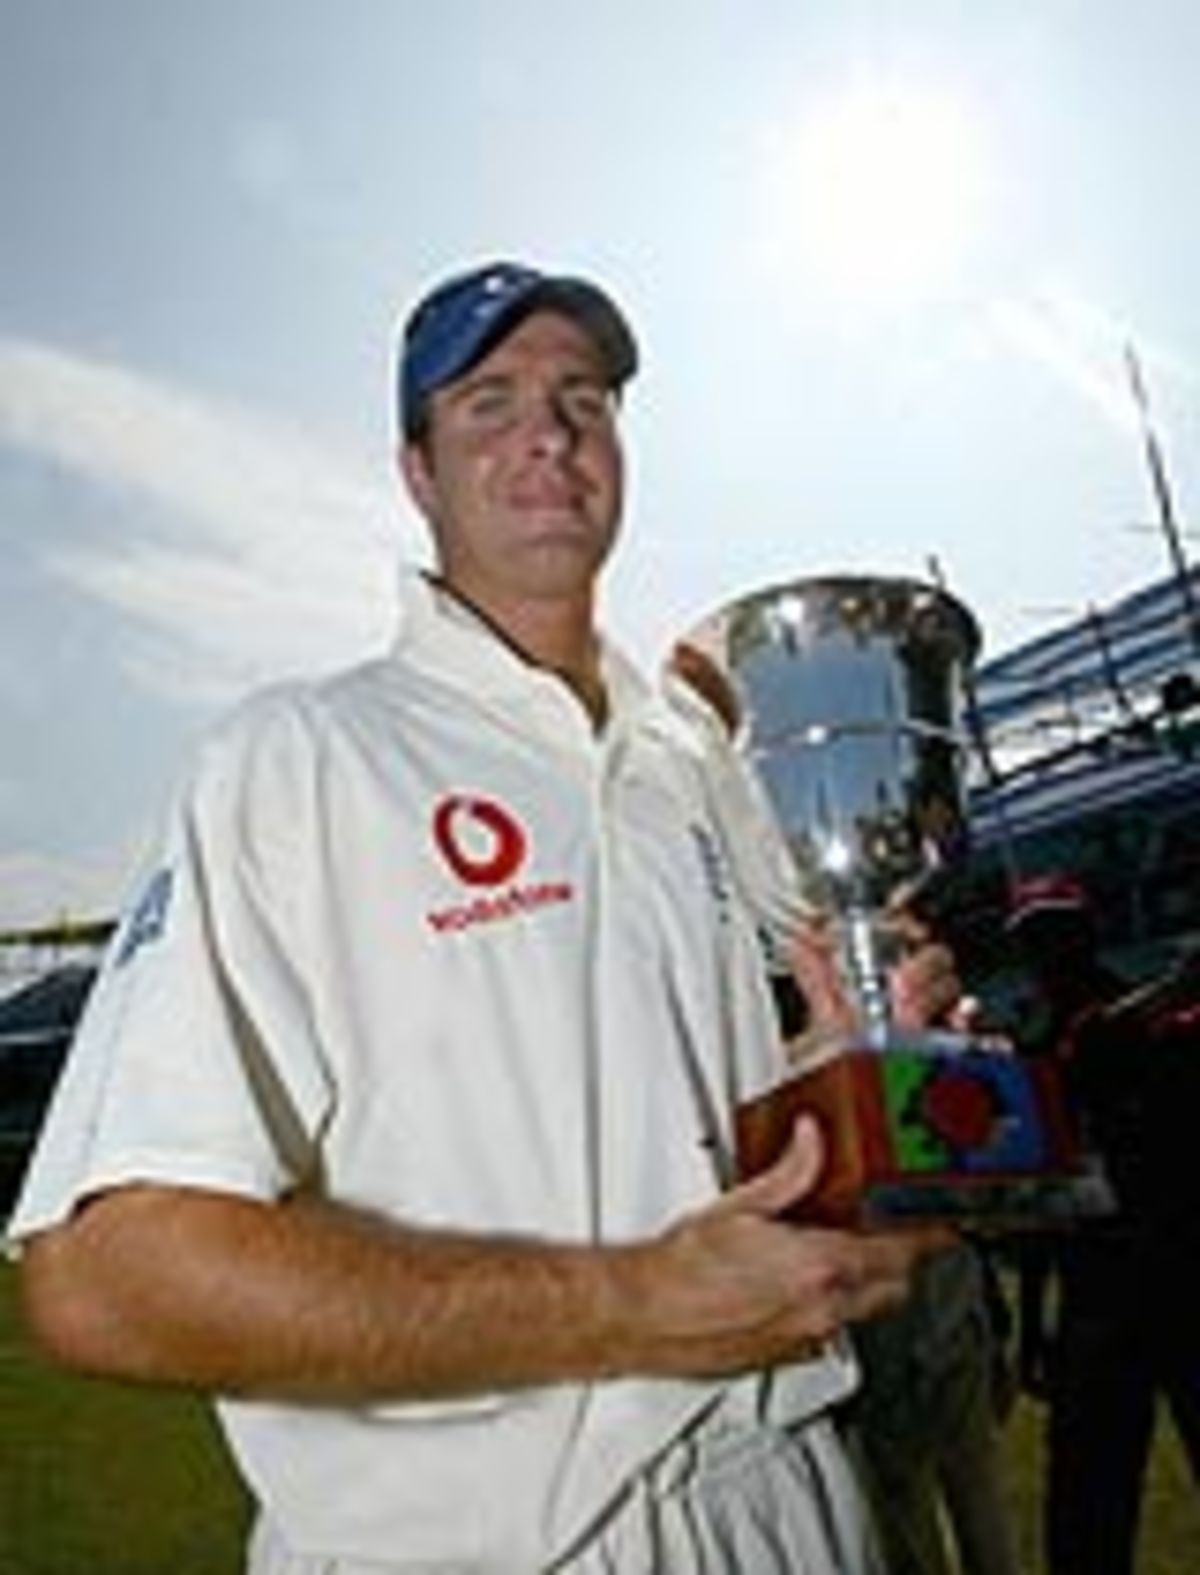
[(866, 975)]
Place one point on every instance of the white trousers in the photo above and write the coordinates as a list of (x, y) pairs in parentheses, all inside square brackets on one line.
[(732, 1498)]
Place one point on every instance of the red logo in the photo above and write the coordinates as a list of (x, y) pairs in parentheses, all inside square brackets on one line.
[(479, 839), (961, 1110)]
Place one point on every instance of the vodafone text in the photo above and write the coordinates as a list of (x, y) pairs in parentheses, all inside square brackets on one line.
[(505, 905)]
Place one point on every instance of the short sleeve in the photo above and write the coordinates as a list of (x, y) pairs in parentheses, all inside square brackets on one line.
[(196, 1062)]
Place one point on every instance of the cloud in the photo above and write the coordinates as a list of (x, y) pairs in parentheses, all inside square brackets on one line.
[(1037, 329), (1085, 347), (263, 551), (36, 888)]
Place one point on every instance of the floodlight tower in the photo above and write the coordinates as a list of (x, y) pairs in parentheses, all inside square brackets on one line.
[(1169, 524)]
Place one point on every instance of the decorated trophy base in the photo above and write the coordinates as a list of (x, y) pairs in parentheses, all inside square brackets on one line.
[(930, 1129)]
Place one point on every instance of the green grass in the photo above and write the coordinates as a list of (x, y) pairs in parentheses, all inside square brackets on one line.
[(102, 1479), (106, 1479)]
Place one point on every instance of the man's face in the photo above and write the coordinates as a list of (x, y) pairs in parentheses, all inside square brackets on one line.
[(520, 472)]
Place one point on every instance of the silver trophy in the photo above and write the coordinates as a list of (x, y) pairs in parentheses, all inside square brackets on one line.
[(846, 694), (849, 691)]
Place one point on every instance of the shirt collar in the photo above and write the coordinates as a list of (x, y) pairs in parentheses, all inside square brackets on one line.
[(447, 638)]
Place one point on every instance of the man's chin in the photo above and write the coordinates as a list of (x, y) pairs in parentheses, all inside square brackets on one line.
[(559, 563)]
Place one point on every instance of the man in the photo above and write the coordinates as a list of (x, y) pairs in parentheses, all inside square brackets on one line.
[(401, 1119), (925, 1425), (1126, 1319)]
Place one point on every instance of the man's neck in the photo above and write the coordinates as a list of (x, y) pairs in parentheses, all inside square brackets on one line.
[(557, 635)]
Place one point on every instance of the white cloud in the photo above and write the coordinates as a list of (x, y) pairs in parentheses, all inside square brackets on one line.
[(270, 553), (1085, 347), (36, 889), (1035, 328)]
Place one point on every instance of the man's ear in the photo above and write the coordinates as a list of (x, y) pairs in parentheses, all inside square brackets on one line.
[(418, 477)]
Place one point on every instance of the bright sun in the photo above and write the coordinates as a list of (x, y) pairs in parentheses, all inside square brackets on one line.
[(877, 193)]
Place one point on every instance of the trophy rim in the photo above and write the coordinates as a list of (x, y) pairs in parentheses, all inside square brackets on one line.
[(834, 583)]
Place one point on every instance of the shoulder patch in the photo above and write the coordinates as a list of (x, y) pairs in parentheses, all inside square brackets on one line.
[(148, 918)]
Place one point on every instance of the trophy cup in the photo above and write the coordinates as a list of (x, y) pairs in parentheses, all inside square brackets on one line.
[(845, 692)]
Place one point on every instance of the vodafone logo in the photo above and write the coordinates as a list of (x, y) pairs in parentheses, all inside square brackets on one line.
[(481, 842), (485, 846)]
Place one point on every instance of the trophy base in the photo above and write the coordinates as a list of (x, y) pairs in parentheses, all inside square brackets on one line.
[(930, 1129)]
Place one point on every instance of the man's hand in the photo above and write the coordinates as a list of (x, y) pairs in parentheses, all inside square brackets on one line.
[(732, 1287), (924, 984)]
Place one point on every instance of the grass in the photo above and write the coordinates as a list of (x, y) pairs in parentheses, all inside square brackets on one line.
[(102, 1479), (106, 1479)]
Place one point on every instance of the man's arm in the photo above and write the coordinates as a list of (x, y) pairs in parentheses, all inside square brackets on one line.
[(313, 1301)]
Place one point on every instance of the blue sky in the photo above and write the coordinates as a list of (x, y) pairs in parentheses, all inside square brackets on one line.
[(883, 260)]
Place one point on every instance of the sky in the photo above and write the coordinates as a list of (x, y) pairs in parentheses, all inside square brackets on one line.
[(884, 262)]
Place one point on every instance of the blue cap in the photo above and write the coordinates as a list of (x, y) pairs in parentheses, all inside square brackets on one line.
[(457, 323)]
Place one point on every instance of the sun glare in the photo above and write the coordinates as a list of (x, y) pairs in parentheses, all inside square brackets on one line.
[(877, 193)]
